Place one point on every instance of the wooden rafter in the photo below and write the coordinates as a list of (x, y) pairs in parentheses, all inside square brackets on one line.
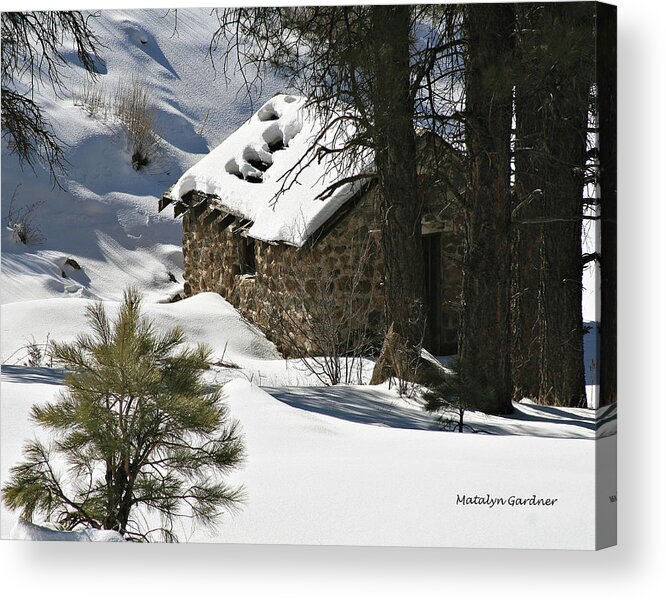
[(225, 222), (213, 216), (179, 208), (164, 202), (199, 208)]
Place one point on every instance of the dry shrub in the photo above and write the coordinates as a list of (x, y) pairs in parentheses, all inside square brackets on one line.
[(309, 317), (133, 108), (21, 222)]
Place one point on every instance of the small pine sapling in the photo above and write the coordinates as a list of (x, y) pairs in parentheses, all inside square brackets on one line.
[(452, 395), (136, 432)]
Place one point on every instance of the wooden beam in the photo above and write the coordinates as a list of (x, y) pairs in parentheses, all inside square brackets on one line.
[(179, 208), (199, 208), (322, 231), (214, 215), (164, 202), (241, 225), (224, 223)]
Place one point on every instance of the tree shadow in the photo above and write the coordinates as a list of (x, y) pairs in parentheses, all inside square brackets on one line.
[(23, 374), (369, 406), (357, 405)]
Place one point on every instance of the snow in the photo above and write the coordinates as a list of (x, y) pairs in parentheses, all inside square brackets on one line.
[(331, 481), (315, 478), (345, 464), (349, 464), (205, 318), (246, 191), (380, 406), (37, 533), (106, 218)]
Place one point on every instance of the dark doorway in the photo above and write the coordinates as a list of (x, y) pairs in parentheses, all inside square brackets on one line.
[(432, 265)]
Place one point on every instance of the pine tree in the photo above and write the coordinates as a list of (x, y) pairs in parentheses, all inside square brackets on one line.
[(452, 394), (137, 430), (394, 144)]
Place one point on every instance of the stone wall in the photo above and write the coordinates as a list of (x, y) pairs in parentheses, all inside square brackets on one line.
[(327, 293)]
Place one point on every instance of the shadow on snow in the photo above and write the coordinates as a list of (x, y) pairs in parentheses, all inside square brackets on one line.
[(372, 407), (21, 374), (364, 405)]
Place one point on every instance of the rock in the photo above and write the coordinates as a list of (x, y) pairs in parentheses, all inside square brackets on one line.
[(70, 262)]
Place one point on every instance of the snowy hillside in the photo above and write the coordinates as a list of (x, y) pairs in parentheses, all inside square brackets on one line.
[(336, 465), (106, 218)]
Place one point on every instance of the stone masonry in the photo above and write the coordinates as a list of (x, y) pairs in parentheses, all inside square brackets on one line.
[(328, 292)]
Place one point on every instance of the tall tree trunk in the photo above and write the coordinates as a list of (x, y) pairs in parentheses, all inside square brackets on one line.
[(561, 379), (526, 243), (552, 93), (607, 103), (395, 161), (565, 104), (484, 342)]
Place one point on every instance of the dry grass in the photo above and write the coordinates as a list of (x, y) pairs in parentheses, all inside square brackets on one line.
[(133, 108), (21, 221), (92, 98), (130, 105)]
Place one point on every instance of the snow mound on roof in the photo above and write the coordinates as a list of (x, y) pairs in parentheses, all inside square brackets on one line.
[(36, 533), (252, 165)]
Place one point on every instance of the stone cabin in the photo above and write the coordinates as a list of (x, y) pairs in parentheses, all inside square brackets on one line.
[(299, 259)]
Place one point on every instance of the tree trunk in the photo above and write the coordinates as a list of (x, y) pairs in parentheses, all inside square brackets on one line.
[(565, 104), (552, 95), (607, 93), (395, 161), (561, 379), (526, 243), (484, 342)]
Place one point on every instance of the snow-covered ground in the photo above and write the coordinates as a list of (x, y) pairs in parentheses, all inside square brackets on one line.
[(336, 465), (344, 464), (107, 219)]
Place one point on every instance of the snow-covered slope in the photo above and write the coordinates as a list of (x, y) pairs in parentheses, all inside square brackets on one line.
[(106, 217), (205, 318)]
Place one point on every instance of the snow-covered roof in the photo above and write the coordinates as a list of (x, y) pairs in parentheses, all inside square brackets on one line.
[(246, 171)]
